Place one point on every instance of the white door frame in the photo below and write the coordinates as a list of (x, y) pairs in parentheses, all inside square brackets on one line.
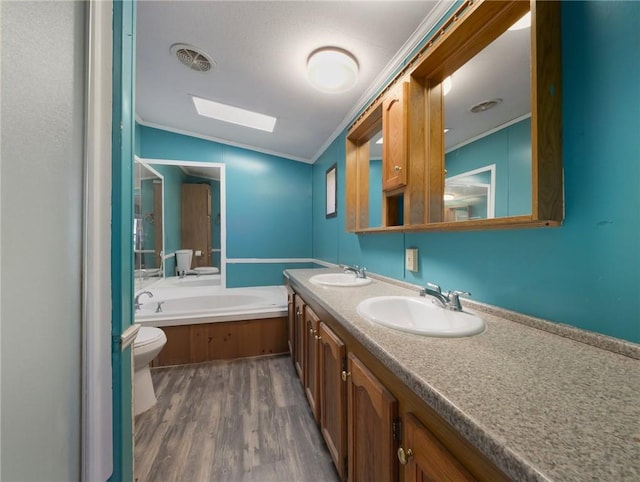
[(97, 398)]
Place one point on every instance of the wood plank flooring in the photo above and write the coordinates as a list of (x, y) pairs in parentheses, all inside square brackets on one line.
[(230, 421)]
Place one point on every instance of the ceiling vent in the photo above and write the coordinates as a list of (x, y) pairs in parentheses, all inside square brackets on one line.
[(486, 105), (192, 57)]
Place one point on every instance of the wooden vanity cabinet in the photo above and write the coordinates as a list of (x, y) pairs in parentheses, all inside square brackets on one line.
[(299, 348), (367, 413), (395, 115), (333, 397), (372, 412), (312, 362), (423, 457)]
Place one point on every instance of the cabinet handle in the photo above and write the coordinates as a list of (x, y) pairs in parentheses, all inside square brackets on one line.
[(404, 455), (345, 375), (397, 168), (318, 338), (298, 313)]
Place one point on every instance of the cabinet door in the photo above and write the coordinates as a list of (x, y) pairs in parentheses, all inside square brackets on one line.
[(312, 366), (395, 135), (333, 397), (425, 458), (291, 321), (372, 411), (301, 339)]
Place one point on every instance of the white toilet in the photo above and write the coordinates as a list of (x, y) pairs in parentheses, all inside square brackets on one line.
[(146, 347)]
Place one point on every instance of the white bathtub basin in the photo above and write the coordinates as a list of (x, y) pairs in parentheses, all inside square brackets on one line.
[(339, 279), (180, 306), (420, 316)]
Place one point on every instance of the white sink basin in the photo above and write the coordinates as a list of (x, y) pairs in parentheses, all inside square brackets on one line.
[(339, 279), (420, 316)]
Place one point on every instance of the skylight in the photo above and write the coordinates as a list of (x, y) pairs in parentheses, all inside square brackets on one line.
[(234, 115)]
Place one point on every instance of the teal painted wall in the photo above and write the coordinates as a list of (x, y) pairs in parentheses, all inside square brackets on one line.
[(585, 273), (269, 201), (259, 274), (375, 193)]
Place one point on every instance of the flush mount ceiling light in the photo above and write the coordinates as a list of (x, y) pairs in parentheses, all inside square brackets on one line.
[(486, 105), (449, 196), (192, 57), (524, 22), (332, 70), (234, 115)]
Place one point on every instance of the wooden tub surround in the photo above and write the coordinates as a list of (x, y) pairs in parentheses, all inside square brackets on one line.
[(222, 341)]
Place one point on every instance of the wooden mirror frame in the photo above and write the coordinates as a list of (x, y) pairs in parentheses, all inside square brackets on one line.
[(473, 26)]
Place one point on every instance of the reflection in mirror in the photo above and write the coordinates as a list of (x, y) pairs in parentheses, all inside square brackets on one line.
[(488, 121), (193, 214), (147, 224), (470, 195)]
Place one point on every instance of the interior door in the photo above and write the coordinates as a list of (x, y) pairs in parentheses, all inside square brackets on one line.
[(196, 222)]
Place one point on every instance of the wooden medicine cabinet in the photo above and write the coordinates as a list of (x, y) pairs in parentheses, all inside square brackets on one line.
[(484, 153)]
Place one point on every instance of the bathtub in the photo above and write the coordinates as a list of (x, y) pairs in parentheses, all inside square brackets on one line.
[(194, 300)]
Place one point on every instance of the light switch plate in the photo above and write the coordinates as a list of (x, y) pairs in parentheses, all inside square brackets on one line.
[(411, 259)]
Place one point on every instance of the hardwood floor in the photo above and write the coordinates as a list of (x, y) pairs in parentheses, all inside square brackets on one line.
[(242, 420)]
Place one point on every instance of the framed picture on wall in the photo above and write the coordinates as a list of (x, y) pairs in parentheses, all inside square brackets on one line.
[(331, 189)]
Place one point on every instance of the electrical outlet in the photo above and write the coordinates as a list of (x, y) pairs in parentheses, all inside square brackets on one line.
[(411, 259)]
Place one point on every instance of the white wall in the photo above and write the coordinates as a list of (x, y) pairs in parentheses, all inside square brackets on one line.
[(42, 92)]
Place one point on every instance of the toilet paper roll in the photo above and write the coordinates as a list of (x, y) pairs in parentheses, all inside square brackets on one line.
[(198, 253)]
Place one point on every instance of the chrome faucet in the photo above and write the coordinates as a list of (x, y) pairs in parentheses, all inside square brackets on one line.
[(359, 272), (449, 300), (137, 303)]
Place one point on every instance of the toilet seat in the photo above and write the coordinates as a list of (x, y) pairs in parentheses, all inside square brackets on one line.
[(148, 335), (147, 345), (206, 270)]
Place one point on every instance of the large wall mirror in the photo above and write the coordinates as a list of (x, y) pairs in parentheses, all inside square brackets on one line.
[(483, 128), (487, 122), (194, 215)]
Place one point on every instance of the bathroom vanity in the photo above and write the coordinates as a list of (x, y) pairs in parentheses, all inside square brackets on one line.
[(524, 400)]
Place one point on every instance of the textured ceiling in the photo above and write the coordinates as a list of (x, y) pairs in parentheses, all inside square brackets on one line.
[(260, 50)]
